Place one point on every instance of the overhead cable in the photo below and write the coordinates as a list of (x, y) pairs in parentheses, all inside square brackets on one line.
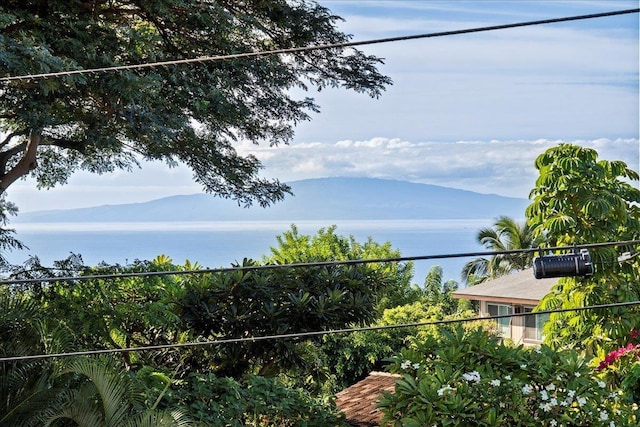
[(313, 264), (315, 47), (304, 334)]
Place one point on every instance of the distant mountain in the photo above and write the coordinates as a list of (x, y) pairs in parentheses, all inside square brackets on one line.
[(314, 199)]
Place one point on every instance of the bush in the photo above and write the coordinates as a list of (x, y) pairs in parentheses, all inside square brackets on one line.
[(469, 378)]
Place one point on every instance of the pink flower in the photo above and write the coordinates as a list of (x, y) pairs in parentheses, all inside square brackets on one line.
[(616, 354)]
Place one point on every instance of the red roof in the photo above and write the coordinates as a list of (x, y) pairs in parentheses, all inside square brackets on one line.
[(359, 401)]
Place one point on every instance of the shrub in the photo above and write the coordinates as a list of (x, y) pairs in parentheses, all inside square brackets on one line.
[(468, 378)]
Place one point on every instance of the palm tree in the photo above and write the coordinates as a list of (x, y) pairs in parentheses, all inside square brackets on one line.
[(104, 397), (506, 235)]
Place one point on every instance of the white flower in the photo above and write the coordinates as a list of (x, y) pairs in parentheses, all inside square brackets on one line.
[(571, 394), (612, 424), (554, 402), (553, 423), (527, 389), (523, 366), (444, 389), (495, 383), (544, 395), (565, 402), (551, 387), (507, 377), (502, 405), (546, 407), (405, 364), (577, 374), (602, 384), (472, 376), (604, 416), (416, 366), (582, 401)]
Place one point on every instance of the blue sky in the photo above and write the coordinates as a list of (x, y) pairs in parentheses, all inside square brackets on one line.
[(466, 111)]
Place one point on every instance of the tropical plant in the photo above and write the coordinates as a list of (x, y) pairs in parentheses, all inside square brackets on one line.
[(26, 330), (438, 293), (99, 394), (294, 247), (253, 402), (507, 234), (191, 113), (257, 302), (579, 199), (465, 378)]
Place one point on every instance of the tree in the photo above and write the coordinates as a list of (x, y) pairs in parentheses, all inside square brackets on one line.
[(507, 234), (188, 113), (438, 293), (326, 245), (579, 199)]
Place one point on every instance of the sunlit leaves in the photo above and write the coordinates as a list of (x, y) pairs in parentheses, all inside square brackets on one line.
[(579, 199)]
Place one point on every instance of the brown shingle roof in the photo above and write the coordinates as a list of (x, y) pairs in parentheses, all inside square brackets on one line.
[(358, 402)]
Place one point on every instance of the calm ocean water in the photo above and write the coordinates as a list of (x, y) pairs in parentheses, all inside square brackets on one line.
[(218, 244)]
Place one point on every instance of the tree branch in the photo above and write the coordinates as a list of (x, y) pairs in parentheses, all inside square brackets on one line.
[(26, 164)]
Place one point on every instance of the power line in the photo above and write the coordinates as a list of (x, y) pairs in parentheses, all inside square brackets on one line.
[(317, 47), (305, 334), (313, 264)]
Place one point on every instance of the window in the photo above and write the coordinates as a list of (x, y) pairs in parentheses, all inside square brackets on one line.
[(533, 325), (504, 322)]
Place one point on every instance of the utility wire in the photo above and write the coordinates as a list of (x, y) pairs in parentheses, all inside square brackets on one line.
[(313, 264), (304, 334), (316, 47)]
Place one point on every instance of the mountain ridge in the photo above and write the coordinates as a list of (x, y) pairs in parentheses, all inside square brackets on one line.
[(314, 199)]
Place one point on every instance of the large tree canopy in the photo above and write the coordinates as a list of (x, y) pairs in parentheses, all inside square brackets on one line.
[(184, 113)]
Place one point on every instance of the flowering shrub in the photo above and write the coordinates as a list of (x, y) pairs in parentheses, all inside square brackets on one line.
[(469, 378), (621, 367)]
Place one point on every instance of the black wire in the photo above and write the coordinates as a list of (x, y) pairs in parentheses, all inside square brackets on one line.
[(313, 264), (323, 47), (305, 334)]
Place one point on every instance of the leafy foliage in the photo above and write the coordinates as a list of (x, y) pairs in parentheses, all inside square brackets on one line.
[(326, 245), (472, 378), (255, 401), (580, 199), (192, 114), (276, 301)]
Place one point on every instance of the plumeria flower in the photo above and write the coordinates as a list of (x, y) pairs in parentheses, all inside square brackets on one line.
[(472, 376), (444, 389)]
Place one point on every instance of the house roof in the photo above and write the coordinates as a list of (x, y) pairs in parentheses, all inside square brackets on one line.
[(358, 402), (519, 288)]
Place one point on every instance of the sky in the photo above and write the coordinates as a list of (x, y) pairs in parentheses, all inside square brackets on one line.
[(466, 111)]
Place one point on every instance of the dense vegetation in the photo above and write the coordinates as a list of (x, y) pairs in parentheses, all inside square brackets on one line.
[(586, 373)]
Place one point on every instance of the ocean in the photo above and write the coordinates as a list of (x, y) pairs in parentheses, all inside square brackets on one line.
[(219, 244)]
